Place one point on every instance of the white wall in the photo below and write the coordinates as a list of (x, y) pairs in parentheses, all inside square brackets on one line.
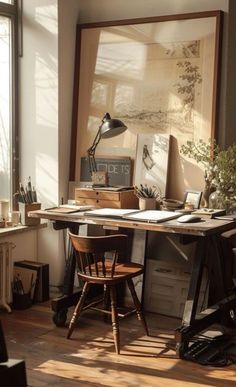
[(46, 91), (46, 75), (26, 250)]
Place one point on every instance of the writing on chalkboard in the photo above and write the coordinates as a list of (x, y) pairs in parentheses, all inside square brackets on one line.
[(119, 170)]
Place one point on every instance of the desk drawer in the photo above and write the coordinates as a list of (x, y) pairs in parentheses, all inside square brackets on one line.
[(106, 199), (98, 195), (99, 203)]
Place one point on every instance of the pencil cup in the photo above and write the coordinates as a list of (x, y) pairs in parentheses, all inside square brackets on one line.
[(24, 209)]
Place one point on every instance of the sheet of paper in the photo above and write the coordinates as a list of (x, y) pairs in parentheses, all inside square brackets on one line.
[(110, 212)]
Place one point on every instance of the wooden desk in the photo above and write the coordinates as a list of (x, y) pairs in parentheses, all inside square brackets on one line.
[(207, 235)]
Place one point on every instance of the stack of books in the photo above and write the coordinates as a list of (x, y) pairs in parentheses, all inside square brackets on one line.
[(209, 213)]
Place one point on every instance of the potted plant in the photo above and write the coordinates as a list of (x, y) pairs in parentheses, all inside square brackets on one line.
[(220, 172), (149, 197)]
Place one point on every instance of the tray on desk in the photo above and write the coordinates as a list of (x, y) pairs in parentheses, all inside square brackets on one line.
[(69, 209)]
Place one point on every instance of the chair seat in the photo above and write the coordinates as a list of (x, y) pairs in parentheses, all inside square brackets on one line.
[(123, 271)]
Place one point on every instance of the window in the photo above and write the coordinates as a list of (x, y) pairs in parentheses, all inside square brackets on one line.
[(8, 100)]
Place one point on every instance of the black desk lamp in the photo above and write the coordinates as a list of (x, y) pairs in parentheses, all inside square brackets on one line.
[(109, 127)]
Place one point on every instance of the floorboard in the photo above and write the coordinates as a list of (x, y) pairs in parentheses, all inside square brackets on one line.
[(88, 358)]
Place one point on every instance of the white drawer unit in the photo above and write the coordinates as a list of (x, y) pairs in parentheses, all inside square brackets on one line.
[(166, 288)]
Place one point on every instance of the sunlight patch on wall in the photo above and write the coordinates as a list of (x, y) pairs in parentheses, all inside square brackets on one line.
[(46, 15), (47, 175), (46, 89)]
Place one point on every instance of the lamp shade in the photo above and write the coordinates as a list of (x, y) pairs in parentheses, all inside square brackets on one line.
[(111, 127)]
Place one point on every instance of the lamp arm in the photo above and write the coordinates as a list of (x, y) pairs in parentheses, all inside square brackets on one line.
[(91, 152)]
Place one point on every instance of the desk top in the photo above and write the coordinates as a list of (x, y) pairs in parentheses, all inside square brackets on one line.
[(203, 228)]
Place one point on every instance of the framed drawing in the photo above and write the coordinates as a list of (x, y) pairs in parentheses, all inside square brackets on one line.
[(193, 197), (151, 165), (158, 75)]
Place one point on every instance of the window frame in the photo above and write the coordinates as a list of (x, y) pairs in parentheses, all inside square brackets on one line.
[(12, 11)]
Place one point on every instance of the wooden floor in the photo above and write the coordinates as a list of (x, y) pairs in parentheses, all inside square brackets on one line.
[(88, 358)]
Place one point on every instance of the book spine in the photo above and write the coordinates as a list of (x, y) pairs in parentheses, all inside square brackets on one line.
[(45, 282), (3, 347)]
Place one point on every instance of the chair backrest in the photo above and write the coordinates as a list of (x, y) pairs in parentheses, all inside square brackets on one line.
[(97, 256)]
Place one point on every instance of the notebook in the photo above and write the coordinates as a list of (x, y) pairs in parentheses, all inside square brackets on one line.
[(152, 216), (69, 209)]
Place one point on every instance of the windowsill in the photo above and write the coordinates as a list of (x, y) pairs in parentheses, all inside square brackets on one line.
[(18, 229)]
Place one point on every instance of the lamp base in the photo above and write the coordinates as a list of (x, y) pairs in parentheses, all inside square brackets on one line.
[(100, 179)]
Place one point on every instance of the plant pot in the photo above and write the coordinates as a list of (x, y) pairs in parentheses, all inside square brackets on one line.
[(147, 204)]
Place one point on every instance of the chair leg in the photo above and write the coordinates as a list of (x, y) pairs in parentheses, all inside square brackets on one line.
[(78, 309), (114, 319), (106, 302), (137, 305)]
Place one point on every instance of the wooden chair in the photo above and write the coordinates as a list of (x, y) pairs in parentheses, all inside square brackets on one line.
[(99, 262)]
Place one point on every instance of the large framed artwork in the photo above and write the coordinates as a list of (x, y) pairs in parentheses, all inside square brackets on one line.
[(159, 75)]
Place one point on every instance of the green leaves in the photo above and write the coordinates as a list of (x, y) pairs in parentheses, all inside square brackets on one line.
[(220, 165), (143, 191)]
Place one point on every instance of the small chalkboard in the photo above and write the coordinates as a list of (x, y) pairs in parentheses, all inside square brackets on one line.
[(119, 170)]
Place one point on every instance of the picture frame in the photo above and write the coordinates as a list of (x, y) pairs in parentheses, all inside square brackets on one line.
[(193, 198), (156, 74)]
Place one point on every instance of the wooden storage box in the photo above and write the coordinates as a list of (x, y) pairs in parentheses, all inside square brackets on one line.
[(106, 199)]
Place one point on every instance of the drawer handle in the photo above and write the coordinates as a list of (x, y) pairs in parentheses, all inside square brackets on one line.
[(163, 271)]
